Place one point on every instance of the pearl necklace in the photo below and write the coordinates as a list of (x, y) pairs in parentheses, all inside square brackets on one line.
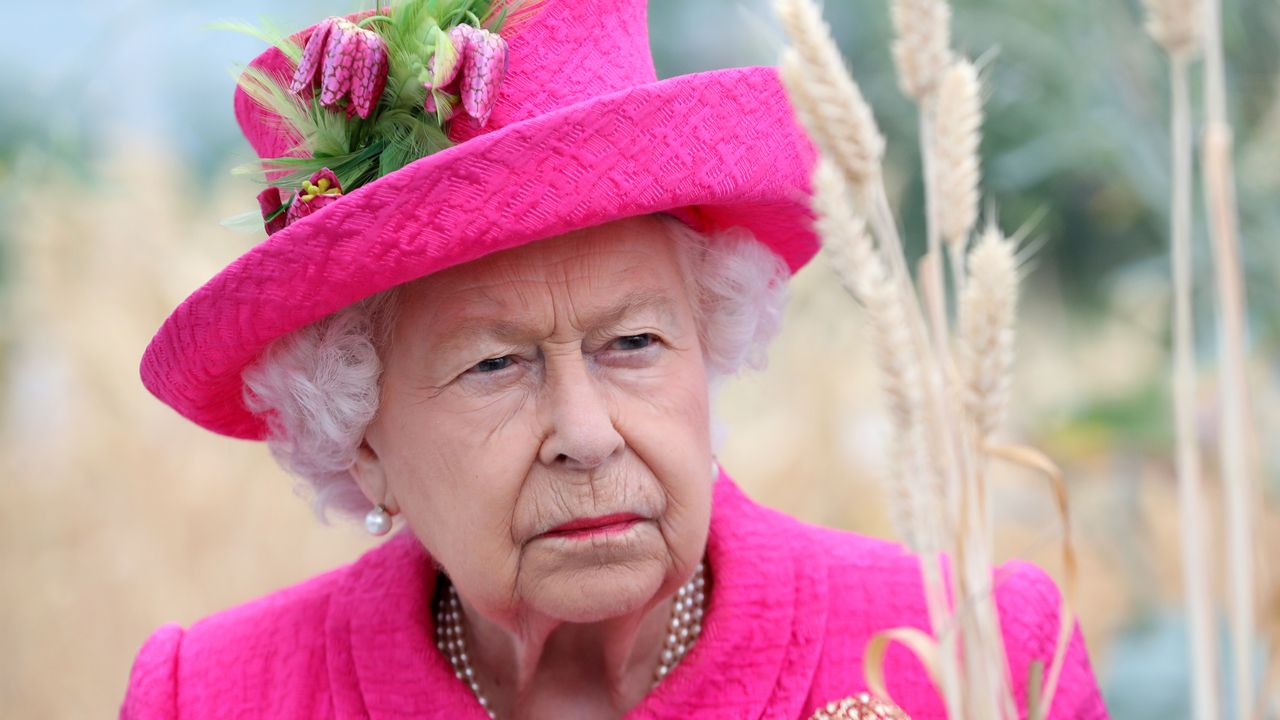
[(682, 630)]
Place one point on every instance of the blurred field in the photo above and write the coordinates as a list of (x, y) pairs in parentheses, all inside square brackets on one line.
[(116, 515)]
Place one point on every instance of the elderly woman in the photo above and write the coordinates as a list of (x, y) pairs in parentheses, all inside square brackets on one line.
[(503, 340)]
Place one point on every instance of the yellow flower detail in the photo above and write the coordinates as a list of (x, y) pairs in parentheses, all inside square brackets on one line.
[(322, 187)]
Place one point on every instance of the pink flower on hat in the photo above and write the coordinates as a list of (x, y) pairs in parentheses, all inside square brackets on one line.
[(469, 62), (321, 190), (348, 60), (273, 216)]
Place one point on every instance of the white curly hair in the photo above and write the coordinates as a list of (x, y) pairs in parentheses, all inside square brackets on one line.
[(318, 387)]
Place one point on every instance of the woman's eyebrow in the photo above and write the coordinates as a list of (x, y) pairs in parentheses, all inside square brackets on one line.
[(634, 302), (469, 330), (509, 330)]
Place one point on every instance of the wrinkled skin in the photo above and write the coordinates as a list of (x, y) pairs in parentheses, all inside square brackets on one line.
[(560, 380)]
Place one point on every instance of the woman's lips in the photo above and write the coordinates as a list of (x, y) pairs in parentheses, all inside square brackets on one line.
[(587, 527)]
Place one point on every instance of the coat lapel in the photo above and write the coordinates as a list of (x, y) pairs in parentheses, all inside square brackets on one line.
[(761, 641), (390, 668)]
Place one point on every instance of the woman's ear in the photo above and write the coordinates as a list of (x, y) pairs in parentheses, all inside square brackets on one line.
[(370, 474)]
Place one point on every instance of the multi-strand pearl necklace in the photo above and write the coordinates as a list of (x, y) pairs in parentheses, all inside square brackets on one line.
[(682, 630)]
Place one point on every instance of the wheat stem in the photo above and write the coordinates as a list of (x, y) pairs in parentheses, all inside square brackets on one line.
[(1205, 700), (955, 257), (913, 490), (935, 305), (1175, 25), (921, 52), (913, 487), (984, 690), (940, 418), (1237, 473), (986, 317)]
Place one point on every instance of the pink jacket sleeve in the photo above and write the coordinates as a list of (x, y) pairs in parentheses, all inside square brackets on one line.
[(1029, 604), (153, 682)]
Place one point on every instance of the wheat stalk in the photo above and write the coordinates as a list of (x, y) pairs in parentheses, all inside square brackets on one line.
[(1181, 26), (831, 107), (921, 50), (915, 493), (913, 488), (1174, 24), (1205, 693), (938, 495), (1237, 465), (922, 54), (826, 98), (986, 318), (986, 330)]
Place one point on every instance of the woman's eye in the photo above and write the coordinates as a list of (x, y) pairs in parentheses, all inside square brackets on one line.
[(493, 364), (633, 342)]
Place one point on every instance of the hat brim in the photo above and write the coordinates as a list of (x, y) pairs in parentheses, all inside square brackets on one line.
[(723, 143)]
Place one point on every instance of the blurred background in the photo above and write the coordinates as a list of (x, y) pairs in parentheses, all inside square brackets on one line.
[(116, 144)]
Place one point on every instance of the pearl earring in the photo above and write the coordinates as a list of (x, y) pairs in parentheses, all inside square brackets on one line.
[(378, 521)]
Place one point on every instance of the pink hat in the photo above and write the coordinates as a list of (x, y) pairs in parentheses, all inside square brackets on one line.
[(580, 133)]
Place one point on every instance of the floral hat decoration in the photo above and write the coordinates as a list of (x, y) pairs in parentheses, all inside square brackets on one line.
[(402, 140), (439, 58)]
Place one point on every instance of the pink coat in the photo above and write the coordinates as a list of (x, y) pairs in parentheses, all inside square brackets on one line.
[(790, 612)]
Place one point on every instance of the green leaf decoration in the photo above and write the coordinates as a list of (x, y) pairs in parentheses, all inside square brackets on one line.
[(446, 57), (245, 222), (407, 139)]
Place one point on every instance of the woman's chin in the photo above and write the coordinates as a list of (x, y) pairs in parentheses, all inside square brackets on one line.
[(603, 595), (584, 582)]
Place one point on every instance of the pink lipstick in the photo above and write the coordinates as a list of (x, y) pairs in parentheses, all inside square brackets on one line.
[(587, 527)]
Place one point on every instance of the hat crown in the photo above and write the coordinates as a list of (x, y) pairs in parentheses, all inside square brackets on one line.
[(570, 52), (562, 53)]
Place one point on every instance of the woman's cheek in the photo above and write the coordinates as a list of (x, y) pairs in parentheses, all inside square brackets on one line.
[(480, 407), (649, 376)]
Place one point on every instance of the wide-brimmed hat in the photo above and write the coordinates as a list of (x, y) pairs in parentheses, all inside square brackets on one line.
[(581, 133)]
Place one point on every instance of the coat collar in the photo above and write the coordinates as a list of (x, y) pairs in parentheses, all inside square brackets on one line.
[(757, 655)]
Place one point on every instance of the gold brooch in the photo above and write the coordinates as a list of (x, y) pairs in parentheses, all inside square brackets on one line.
[(859, 707)]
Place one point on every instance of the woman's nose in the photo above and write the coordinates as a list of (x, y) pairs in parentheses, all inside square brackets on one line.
[(580, 432)]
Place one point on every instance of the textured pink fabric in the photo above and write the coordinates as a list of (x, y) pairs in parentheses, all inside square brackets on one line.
[(581, 134), (790, 611)]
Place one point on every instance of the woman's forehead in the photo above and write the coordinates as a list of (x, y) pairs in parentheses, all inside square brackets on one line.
[(599, 275)]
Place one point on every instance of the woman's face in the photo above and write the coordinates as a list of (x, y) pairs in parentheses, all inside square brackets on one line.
[(543, 425)]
